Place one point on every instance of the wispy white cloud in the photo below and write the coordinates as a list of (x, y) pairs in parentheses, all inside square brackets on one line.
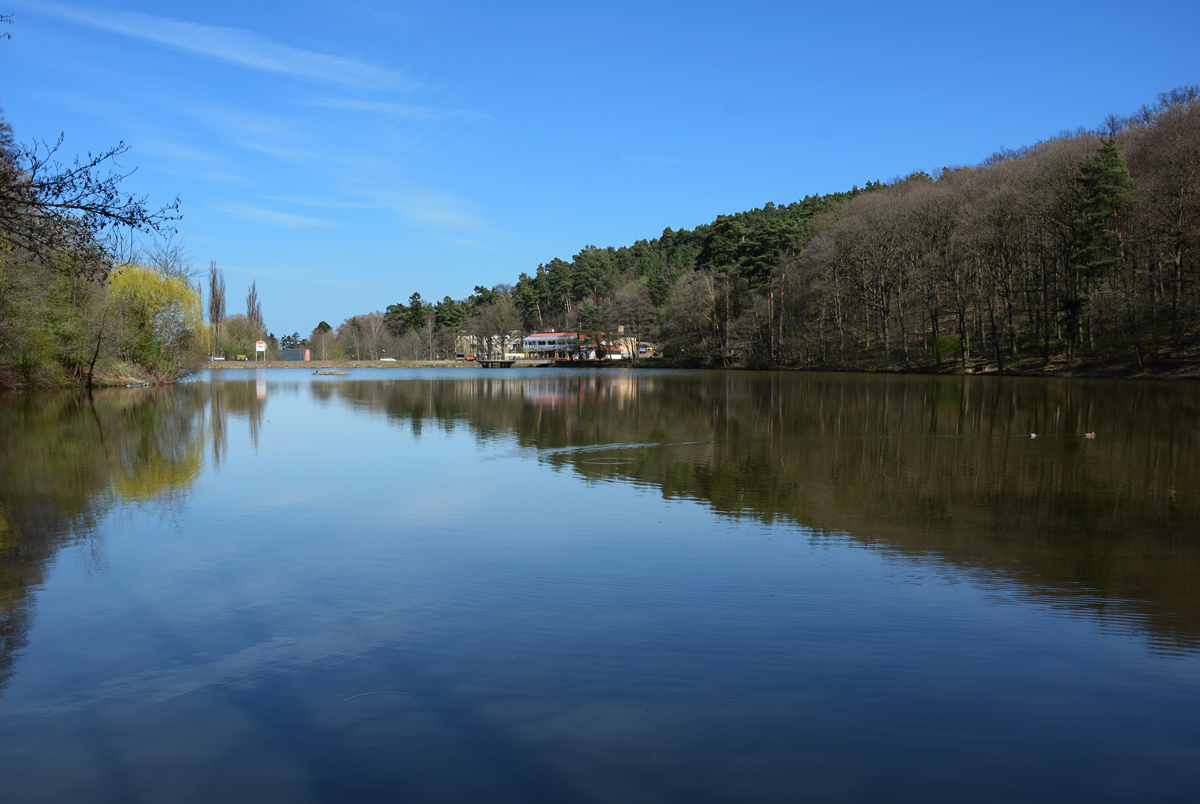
[(291, 141), (432, 207), (320, 203), (404, 111), (265, 134), (233, 45), (185, 160), (256, 215)]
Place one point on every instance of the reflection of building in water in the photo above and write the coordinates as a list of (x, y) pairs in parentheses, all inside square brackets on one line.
[(547, 392), (554, 391), (622, 388)]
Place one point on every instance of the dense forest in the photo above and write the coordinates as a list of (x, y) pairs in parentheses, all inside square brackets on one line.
[(1078, 249)]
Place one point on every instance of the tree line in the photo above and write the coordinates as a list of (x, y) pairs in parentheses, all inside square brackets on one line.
[(597, 291), (1081, 247), (418, 330)]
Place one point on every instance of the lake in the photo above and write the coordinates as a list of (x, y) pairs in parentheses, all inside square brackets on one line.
[(556, 585)]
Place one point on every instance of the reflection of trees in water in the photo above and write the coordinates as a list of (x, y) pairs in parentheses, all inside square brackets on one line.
[(218, 416), (54, 485), (936, 467), (541, 410), (157, 451), (235, 399), (66, 458), (922, 466)]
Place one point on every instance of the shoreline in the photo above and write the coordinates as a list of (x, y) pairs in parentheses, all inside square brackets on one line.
[(222, 365), (1179, 369), (1155, 368)]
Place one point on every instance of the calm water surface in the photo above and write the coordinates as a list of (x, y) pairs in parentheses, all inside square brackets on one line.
[(545, 586)]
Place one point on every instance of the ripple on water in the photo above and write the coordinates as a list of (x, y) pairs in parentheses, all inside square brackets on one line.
[(381, 705)]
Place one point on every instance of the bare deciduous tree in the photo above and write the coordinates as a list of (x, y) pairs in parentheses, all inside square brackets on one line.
[(54, 210)]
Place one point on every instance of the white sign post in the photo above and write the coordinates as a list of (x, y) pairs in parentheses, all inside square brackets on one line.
[(260, 346)]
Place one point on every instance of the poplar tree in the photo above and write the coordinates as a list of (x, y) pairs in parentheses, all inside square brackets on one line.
[(254, 307), (216, 304)]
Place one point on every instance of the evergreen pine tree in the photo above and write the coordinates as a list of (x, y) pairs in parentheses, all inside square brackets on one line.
[(1106, 180)]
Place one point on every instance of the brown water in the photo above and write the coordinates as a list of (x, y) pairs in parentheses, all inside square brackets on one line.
[(551, 585)]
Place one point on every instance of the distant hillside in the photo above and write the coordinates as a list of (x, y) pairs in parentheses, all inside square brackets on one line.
[(1079, 251)]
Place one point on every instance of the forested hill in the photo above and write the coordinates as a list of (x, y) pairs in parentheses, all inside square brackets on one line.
[(750, 242), (1078, 250)]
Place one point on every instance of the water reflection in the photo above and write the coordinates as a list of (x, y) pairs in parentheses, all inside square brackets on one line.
[(943, 469), (990, 475), (67, 459)]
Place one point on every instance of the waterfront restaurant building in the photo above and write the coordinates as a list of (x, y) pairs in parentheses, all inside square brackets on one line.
[(567, 346), (551, 345)]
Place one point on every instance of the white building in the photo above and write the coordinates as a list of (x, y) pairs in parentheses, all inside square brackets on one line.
[(508, 344), (568, 345), (549, 345)]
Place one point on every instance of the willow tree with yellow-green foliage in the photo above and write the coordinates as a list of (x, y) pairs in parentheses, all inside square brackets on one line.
[(162, 320)]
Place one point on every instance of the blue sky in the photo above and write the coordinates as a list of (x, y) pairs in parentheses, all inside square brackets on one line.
[(343, 155)]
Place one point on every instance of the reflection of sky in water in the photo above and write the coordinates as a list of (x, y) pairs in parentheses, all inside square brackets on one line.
[(554, 628)]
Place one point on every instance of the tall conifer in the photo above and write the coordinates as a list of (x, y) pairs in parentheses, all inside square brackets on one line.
[(1106, 180)]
